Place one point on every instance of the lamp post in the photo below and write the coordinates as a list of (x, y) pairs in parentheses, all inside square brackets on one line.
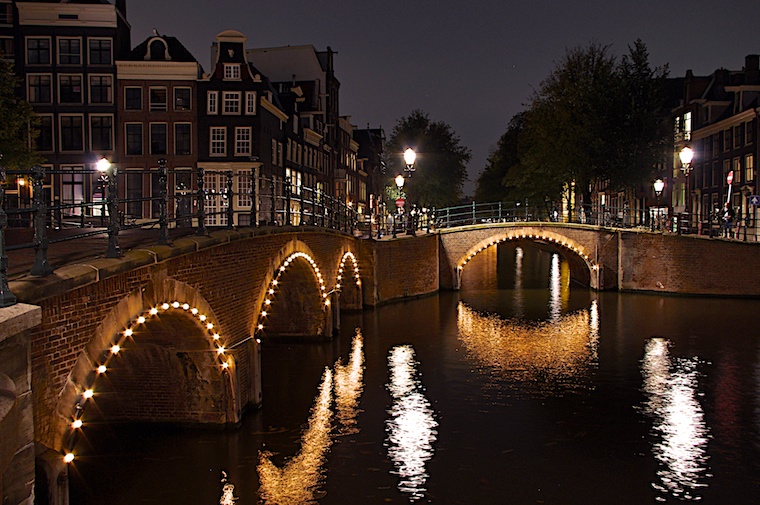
[(658, 185), (409, 158), (400, 185), (105, 166), (686, 155)]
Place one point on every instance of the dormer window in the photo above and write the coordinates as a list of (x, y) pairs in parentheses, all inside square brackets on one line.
[(231, 71)]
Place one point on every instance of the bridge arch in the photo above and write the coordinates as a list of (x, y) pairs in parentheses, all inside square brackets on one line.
[(582, 267), (297, 286), (165, 337), (348, 282)]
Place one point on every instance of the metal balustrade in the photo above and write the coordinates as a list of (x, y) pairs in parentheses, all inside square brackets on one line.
[(268, 201)]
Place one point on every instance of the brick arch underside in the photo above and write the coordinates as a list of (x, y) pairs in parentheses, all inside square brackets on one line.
[(580, 268), (167, 370), (298, 308)]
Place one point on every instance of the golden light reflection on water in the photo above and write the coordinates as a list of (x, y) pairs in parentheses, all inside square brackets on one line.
[(411, 427), (349, 383), (298, 481), (531, 353), (671, 386)]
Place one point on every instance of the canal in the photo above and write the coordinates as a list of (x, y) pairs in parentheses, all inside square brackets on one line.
[(520, 388)]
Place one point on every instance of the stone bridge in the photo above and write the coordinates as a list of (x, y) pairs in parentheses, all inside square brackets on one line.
[(171, 333)]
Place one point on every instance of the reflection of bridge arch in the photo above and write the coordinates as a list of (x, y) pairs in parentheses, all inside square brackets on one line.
[(150, 361), (298, 287), (582, 268)]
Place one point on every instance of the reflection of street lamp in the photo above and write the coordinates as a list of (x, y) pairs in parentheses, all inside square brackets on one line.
[(686, 155), (659, 185)]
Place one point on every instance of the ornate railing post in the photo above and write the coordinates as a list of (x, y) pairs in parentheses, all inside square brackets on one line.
[(163, 204), (7, 298), (201, 203), (113, 250), (474, 218), (230, 207), (287, 201), (41, 266), (254, 203)]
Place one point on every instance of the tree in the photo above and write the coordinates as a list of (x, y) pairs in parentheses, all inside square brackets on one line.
[(441, 165), (495, 182), (17, 123)]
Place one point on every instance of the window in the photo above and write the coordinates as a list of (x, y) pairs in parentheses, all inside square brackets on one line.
[(250, 102), (182, 138), (218, 141), (727, 140), (45, 138), (69, 51), (243, 141), (749, 169), (70, 88), (716, 173), (72, 133), (231, 102), (38, 51), (132, 98), (72, 190), (738, 136), (749, 132), (737, 171), (134, 135), (158, 139), (40, 90), (181, 98), (715, 144), (212, 106), (100, 51), (687, 126), (134, 192), (6, 13), (101, 89), (231, 71), (6, 48), (157, 99), (101, 133)]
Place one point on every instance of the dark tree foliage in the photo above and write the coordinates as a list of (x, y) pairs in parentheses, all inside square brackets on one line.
[(592, 119), (17, 121), (441, 165), (493, 183)]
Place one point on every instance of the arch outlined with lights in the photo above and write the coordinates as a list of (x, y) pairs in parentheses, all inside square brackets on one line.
[(549, 237), (81, 386), (273, 286), (341, 267)]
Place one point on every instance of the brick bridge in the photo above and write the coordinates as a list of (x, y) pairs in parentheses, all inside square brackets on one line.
[(176, 329)]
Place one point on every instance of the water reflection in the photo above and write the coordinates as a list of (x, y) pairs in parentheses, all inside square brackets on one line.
[(538, 355), (228, 492), (297, 482), (555, 285), (349, 385), (671, 388), (519, 299), (411, 428)]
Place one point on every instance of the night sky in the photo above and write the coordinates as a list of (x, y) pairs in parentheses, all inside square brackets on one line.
[(472, 64)]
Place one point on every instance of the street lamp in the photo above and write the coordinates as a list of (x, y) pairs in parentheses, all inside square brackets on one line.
[(105, 167), (409, 158), (686, 155), (399, 180), (659, 185)]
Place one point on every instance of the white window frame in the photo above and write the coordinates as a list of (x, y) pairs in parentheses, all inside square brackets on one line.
[(217, 141), (60, 133), (250, 103), (158, 107), (176, 136), (81, 85), (52, 134), (89, 89), (89, 133), (50, 49), (89, 60), (174, 96), (142, 138), (58, 41), (212, 102), (231, 103), (150, 137), (232, 71), (28, 87), (243, 140)]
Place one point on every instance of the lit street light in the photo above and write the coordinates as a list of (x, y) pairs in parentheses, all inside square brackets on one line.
[(659, 185), (686, 155)]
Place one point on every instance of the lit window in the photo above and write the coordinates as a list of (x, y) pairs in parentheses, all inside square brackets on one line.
[(749, 168)]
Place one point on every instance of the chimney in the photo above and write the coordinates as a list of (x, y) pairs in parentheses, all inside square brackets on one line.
[(121, 6), (752, 69)]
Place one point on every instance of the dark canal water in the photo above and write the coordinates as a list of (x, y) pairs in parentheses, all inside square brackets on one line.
[(515, 390)]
